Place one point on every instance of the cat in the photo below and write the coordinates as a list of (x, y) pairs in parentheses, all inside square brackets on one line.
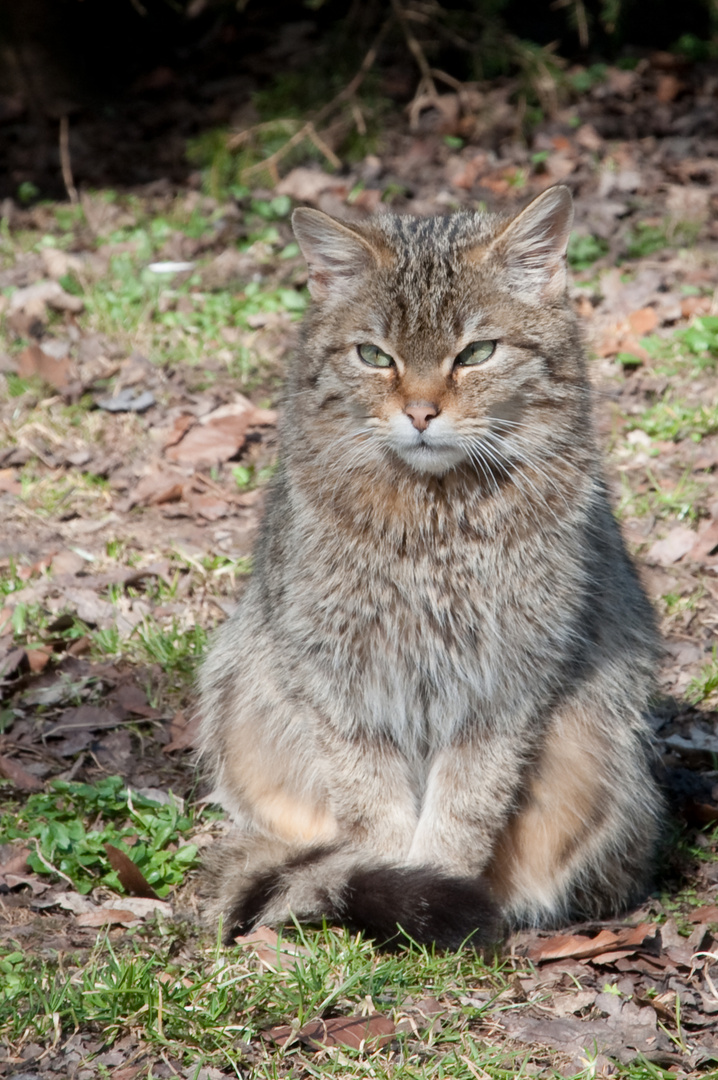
[(429, 709)]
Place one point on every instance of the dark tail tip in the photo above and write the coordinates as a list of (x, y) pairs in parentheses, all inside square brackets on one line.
[(429, 907)]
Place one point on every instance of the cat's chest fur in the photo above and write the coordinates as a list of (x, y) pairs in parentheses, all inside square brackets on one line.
[(418, 622)]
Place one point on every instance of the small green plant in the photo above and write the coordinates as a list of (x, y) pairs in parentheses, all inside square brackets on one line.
[(645, 239), (679, 502), (585, 79), (705, 684), (27, 191), (700, 339), (674, 421), (247, 477), (583, 251), (146, 831)]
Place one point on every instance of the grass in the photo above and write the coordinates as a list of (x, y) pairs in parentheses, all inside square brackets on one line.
[(170, 645), (207, 1003), (175, 323), (673, 421), (678, 502), (167, 982)]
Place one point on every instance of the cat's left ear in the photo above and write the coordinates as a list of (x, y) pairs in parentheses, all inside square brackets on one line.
[(532, 248), (336, 255)]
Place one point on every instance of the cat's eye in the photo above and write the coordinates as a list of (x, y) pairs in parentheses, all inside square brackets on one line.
[(372, 355), (475, 353)]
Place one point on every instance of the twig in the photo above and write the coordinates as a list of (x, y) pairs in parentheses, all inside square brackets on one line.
[(65, 162), (48, 865), (309, 129), (270, 164), (322, 147), (351, 88), (241, 137), (427, 85)]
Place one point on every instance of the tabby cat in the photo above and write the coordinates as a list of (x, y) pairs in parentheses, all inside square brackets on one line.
[(429, 710)]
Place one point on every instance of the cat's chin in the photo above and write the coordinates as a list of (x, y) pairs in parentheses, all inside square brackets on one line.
[(434, 460)]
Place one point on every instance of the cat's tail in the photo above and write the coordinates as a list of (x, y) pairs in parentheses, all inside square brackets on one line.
[(249, 882)]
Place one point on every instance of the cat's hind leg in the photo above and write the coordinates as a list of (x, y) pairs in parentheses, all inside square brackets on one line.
[(583, 837)]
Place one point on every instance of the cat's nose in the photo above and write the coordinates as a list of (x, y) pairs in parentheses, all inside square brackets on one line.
[(420, 413)]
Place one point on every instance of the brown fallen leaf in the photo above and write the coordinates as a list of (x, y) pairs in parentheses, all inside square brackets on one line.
[(9, 482), (705, 547), (643, 321), (179, 429), (127, 1072), (11, 662), (358, 1032), (699, 814), (669, 87), (57, 373), (183, 733), (265, 945), (577, 946), (17, 863), (156, 489), (103, 916), (132, 880), (208, 506), (209, 445), (580, 946), (131, 698), (21, 778), (38, 658), (706, 914), (673, 547)]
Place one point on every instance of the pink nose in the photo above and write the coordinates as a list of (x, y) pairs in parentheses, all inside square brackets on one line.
[(420, 413)]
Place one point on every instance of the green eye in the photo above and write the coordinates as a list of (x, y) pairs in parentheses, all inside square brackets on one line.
[(475, 353), (373, 356)]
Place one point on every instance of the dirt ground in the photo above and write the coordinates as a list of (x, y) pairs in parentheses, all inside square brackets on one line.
[(138, 418)]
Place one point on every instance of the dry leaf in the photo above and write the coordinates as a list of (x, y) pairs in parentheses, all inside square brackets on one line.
[(668, 88), (9, 482), (157, 488), (265, 944), (579, 946), (210, 445), (678, 543), (706, 544), (132, 880), (38, 658), (131, 698), (576, 946), (358, 1032), (179, 429), (21, 778), (706, 914), (643, 321), (57, 373), (207, 506), (103, 916), (183, 733)]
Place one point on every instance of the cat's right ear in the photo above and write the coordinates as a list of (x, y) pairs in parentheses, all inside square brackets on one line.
[(335, 254), (532, 248)]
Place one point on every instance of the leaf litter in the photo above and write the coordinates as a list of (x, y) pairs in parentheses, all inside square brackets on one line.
[(127, 533)]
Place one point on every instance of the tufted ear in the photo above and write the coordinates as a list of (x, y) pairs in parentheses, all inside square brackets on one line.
[(336, 255), (532, 247)]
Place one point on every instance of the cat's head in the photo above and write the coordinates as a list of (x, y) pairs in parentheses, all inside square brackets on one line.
[(439, 341)]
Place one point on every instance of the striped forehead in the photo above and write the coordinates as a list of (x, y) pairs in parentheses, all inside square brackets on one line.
[(429, 292)]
